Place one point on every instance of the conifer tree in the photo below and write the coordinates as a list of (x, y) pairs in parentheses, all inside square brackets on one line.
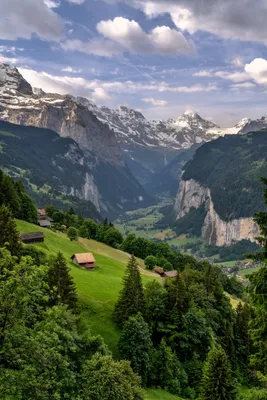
[(131, 298), (61, 284), (258, 297), (217, 381), (241, 337), (136, 346), (8, 231)]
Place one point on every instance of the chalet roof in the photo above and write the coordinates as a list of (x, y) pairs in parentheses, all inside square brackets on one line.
[(32, 236), (159, 270), (171, 274), (83, 258), (44, 223)]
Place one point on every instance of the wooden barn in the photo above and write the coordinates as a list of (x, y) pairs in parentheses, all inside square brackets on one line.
[(170, 274), (84, 260), (33, 237)]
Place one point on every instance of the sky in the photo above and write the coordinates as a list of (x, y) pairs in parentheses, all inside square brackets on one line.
[(161, 57)]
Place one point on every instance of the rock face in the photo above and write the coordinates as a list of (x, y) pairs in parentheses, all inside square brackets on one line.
[(215, 231), (20, 104)]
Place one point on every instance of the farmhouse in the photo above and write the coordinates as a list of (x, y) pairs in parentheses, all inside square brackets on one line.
[(159, 271), (170, 274), (84, 260), (33, 237), (44, 223)]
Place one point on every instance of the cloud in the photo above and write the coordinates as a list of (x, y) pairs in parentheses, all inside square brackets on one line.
[(245, 85), (237, 62), (129, 34), (8, 60), (239, 19), (22, 19), (257, 70), (98, 46), (76, 1), (52, 3), (71, 70), (236, 76), (155, 102), (102, 90)]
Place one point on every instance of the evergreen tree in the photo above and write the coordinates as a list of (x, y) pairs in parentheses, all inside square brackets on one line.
[(62, 287), (135, 345), (10, 195), (241, 337), (168, 372), (131, 298), (217, 381), (8, 231), (258, 297)]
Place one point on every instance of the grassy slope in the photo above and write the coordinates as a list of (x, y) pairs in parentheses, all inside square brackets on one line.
[(98, 290)]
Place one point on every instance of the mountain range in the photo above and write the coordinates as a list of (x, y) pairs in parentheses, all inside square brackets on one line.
[(121, 152)]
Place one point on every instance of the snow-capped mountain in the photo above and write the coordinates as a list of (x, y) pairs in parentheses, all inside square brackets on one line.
[(103, 160)]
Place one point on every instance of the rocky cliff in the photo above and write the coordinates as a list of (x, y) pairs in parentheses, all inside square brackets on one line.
[(106, 168), (215, 230)]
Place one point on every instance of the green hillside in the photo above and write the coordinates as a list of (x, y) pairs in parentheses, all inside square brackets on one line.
[(160, 395), (231, 167), (98, 290)]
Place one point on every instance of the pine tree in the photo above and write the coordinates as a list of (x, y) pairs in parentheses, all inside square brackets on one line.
[(61, 284), (136, 346), (217, 381), (131, 298), (258, 297), (241, 337), (8, 231)]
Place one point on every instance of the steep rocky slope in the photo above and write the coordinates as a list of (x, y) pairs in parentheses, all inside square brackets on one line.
[(117, 189), (224, 179)]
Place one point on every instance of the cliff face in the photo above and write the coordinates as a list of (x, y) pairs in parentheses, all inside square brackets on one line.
[(65, 115), (214, 230)]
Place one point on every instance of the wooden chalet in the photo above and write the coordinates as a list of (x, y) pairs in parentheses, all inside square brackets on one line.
[(159, 271), (44, 223), (170, 274), (33, 237), (84, 260)]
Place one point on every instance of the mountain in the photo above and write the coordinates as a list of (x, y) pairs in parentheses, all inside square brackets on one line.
[(150, 146), (111, 187), (222, 183)]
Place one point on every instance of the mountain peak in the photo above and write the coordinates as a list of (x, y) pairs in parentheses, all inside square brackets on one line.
[(11, 79)]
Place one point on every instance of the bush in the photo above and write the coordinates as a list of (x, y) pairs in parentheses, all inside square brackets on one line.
[(150, 262)]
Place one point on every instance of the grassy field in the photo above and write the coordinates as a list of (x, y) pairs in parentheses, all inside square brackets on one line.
[(248, 271), (98, 290)]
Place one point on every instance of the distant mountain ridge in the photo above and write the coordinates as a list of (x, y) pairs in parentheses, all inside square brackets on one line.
[(112, 187)]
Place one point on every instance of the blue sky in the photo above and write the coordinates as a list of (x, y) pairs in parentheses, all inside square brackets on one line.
[(160, 56)]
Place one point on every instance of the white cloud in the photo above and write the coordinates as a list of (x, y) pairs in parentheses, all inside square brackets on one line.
[(52, 3), (99, 89), (98, 46), (76, 1), (22, 19), (8, 60), (71, 70), (99, 95), (155, 102), (129, 34), (229, 19), (257, 70), (245, 85), (236, 76)]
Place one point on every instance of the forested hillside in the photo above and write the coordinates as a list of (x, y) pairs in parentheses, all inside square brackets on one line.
[(179, 334), (231, 168)]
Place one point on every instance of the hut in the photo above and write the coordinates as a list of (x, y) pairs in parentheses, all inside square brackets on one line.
[(84, 260), (44, 223), (170, 274), (33, 237), (159, 271)]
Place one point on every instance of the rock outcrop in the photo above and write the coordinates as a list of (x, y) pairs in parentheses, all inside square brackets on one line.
[(214, 230)]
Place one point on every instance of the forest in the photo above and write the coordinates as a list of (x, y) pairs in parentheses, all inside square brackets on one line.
[(181, 335)]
